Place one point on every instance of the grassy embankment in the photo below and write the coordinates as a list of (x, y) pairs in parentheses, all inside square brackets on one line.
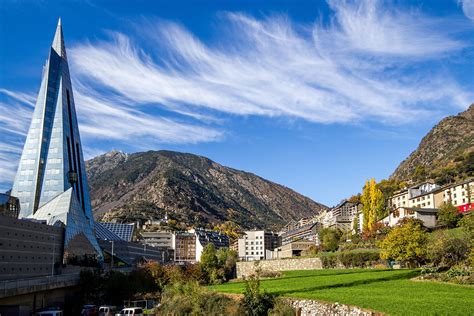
[(388, 291)]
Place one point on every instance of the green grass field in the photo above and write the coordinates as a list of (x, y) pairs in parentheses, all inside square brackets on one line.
[(388, 291)]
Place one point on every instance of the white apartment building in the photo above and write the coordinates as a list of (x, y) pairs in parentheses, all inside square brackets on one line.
[(460, 195), (253, 244), (421, 195), (426, 215), (431, 199)]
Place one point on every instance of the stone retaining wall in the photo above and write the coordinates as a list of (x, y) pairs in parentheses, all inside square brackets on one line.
[(315, 308), (246, 268)]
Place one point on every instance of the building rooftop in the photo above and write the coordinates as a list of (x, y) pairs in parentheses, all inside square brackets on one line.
[(123, 231)]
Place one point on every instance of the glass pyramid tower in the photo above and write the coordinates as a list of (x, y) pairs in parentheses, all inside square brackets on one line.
[(52, 165)]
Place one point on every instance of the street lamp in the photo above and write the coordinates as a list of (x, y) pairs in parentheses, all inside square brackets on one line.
[(52, 263)]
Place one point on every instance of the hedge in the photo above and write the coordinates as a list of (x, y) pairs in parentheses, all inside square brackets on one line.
[(359, 258)]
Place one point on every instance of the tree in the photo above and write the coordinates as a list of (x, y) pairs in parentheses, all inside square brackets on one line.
[(209, 260), (330, 238), (373, 204), (405, 243), (254, 302), (446, 249), (448, 215), (231, 229)]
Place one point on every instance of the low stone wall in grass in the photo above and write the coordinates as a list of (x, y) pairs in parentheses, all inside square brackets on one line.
[(315, 308), (246, 268)]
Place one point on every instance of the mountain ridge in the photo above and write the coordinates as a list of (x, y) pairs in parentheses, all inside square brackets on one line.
[(193, 188), (447, 149)]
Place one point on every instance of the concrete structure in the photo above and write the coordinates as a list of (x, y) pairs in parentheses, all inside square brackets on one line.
[(51, 181), (245, 269), (293, 249), (308, 232), (342, 215), (205, 237), (132, 253), (158, 239), (253, 245), (29, 249), (427, 215), (184, 245), (9, 205), (24, 296), (460, 195)]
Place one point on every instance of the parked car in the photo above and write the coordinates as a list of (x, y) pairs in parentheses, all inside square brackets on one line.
[(50, 313), (89, 310), (107, 310), (131, 311)]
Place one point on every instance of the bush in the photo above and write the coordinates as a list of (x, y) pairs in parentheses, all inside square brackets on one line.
[(254, 302), (467, 224), (447, 250), (359, 258), (328, 260), (330, 238), (192, 299), (448, 215), (270, 274), (282, 308)]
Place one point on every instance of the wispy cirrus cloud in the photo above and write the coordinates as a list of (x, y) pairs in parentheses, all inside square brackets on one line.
[(468, 8), (353, 69), (161, 83)]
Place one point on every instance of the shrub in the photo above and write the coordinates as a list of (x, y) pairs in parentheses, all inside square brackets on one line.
[(448, 215), (467, 224), (447, 250), (192, 299), (254, 302), (330, 238), (328, 260), (358, 258), (282, 308), (270, 274)]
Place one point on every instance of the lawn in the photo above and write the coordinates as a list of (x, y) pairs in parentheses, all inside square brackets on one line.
[(388, 291)]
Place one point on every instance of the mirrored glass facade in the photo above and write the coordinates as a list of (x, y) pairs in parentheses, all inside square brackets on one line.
[(52, 161)]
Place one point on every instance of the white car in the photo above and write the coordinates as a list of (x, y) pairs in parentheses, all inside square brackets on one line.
[(131, 311), (107, 310)]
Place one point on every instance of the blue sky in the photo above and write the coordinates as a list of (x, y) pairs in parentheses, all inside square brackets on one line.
[(315, 95)]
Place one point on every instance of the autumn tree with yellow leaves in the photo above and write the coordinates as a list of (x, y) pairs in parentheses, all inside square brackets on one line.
[(373, 204)]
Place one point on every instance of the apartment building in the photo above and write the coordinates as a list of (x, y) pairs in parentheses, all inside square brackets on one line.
[(427, 215), (415, 196), (253, 245), (342, 215), (460, 195), (430, 199), (308, 232), (158, 238)]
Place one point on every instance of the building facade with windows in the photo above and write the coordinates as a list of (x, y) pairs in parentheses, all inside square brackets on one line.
[(51, 180), (29, 249), (9, 205), (428, 216), (253, 244), (460, 195)]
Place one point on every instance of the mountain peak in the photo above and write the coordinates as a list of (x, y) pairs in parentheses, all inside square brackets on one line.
[(193, 189), (448, 145)]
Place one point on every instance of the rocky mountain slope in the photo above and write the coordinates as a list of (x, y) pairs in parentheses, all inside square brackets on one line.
[(191, 189), (445, 152)]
